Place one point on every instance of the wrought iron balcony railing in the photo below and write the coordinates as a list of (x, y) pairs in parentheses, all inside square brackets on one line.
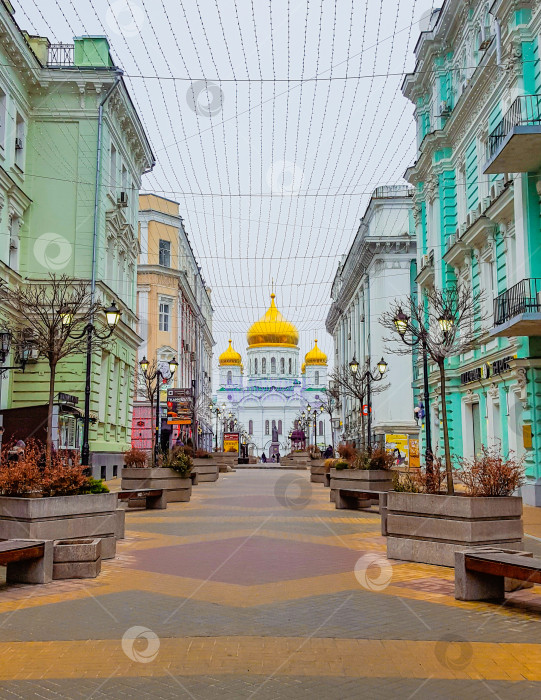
[(525, 111), (523, 297), (60, 55)]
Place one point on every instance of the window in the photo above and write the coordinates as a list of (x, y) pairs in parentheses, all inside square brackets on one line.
[(112, 169), (164, 255), (264, 367), (282, 366), (231, 426), (164, 315), (273, 365), (266, 427), (251, 427), (320, 427), (274, 425), (124, 180), (19, 141), (3, 117), (316, 378), (279, 427), (290, 366), (230, 377), (255, 365)]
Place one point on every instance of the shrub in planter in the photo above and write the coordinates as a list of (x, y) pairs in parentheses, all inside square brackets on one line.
[(347, 452), (203, 454), (341, 464), (330, 463), (231, 449), (95, 486), (179, 461), (135, 458), (489, 474)]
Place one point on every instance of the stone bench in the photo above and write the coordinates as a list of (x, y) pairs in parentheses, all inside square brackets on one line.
[(155, 499), (351, 499), (480, 573), (27, 561)]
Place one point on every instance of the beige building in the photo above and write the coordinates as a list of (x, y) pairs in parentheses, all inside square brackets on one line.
[(175, 318)]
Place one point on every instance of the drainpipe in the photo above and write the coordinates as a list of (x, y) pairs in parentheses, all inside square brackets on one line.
[(498, 41), (85, 451)]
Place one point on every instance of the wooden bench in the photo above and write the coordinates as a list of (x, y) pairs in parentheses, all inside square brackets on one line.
[(480, 573), (27, 561), (351, 498), (155, 499)]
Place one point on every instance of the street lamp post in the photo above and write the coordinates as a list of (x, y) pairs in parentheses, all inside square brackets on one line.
[(112, 315), (158, 376), (369, 377), (216, 410)]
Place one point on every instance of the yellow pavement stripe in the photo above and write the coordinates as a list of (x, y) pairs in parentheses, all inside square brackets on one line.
[(280, 656)]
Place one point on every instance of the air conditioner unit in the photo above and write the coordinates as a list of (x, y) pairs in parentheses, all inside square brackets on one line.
[(469, 218), (123, 199), (451, 241), (13, 244), (18, 144), (445, 109), (424, 261), (486, 202), (461, 230)]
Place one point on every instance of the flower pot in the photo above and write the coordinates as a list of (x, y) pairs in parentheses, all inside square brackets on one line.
[(64, 518), (429, 528), (77, 558), (206, 469), (177, 487)]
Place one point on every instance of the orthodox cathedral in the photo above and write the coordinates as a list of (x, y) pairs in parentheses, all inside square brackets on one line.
[(269, 390)]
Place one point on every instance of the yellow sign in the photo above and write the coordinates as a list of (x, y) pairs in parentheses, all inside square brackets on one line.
[(415, 457), (231, 441), (527, 436), (398, 445)]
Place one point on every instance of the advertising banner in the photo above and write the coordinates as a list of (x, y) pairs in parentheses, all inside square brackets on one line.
[(231, 440), (398, 445)]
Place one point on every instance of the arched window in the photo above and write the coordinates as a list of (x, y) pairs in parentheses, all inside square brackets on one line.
[(255, 363), (266, 427), (321, 427), (290, 365), (230, 377), (250, 366), (279, 427), (273, 365), (316, 378), (282, 366), (251, 427), (264, 367), (274, 425)]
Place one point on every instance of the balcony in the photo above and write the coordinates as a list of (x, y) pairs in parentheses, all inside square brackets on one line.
[(515, 144), (518, 310), (60, 55), (425, 276)]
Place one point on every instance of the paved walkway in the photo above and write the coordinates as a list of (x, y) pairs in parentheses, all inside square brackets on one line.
[(259, 588)]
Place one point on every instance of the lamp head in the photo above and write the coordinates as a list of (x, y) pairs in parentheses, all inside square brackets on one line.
[(354, 366), (5, 344), (446, 321), (144, 364), (382, 366), (66, 314), (173, 364), (112, 314), (401, 322)]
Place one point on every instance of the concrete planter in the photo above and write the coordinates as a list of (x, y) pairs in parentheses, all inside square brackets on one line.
[(226, 461), (429, 528), (206, 469), (77, 558), (362, 480), (296, 460), (64, 518), (317, 471), (178, 488)]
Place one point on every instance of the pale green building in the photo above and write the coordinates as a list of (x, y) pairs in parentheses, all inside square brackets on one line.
[(50, 99)]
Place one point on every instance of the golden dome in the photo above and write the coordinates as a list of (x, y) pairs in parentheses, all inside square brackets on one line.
[(273, 329), (315, 356), (303, 368), (230, 356)]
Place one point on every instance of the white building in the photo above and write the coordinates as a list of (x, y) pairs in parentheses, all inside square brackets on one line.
[(379, 267), (272, 388)]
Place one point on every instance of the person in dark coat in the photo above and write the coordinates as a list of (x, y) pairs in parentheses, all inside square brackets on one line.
[(263, 458)]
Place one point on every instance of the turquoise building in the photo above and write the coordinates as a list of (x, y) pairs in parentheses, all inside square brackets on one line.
[(476, 89), (50, 201)]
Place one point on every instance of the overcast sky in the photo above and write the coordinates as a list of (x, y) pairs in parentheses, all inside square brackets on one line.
[(272, 177)]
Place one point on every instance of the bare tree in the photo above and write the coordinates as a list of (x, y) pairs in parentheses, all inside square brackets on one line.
[(355, 386), (51, 316), (330, 401), (447, 323), (147, 386)]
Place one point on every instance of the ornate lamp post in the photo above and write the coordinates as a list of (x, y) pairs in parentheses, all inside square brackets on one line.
[(158, 376), (369, 377), (214, 408), (112, 315)]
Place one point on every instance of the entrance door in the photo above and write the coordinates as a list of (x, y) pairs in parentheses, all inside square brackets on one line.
[(476, 421)]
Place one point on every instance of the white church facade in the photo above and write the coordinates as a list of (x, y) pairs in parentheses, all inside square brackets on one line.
[(269, 389)]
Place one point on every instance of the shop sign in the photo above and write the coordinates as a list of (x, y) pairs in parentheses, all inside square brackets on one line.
[(231, 440), (415, 457), (501, 366), (474, 375), (68, 398)]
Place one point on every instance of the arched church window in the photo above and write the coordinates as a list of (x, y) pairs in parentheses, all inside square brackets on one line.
[(274, 425), (282, 366), (279, 427), (251, 427), (290, 365), (321, 427), (264, 367), (255, 363), (250, 366), (266, 427), (316, 378), (273, 365), (230, 377)]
